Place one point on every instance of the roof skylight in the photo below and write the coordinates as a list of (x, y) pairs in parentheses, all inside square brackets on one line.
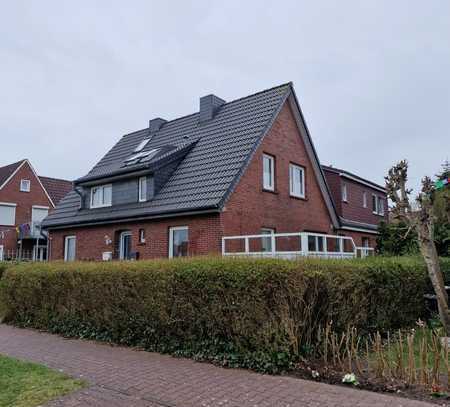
[(141, 145), (135, 158)]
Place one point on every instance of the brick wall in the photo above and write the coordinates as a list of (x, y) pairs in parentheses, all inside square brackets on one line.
[(205, 232), (25, 200), (250, 208), (353, 209)]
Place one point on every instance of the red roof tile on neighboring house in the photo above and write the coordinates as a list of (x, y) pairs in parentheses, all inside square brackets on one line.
[(8, 170), (56, 188)]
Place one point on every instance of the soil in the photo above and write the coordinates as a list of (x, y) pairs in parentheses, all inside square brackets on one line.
[(365, 382)]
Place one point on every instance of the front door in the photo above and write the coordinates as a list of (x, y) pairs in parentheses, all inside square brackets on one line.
[(125, 246)]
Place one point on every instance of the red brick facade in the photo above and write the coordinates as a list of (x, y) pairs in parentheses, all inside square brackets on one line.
[(248, 209), (11, 193)]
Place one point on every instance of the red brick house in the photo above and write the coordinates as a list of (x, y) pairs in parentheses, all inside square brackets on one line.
[(361, 204), (25, 200), (178, 187)]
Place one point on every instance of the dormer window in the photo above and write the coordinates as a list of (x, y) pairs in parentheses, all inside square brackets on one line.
[(142, 189), (101, 196), (25, 185)]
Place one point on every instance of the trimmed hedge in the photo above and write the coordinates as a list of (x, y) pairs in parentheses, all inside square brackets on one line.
[(256, 313)]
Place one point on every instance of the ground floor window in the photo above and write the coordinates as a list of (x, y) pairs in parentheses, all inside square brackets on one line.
[(365, 241), (70, 243), (315, 243), (266, 242), (125, 246), (178, 241)]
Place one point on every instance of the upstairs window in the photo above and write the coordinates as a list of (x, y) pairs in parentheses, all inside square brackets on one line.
[(101, 196), (268, 172), (7, 214), (364, 199), (296, 181), (142, 189), (344, 193), (377, 205), (25, 185)]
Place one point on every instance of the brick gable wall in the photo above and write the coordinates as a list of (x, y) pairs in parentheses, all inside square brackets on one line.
[(11, 193), (250, 208)]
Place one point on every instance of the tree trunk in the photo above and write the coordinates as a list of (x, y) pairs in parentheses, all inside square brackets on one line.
[(429, 253)]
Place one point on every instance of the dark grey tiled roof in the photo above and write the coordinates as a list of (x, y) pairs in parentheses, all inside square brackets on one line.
[(355, 224), (205, 176)]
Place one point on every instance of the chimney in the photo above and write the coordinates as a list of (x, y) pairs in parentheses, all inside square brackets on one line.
[(155, 124), (209, 105)]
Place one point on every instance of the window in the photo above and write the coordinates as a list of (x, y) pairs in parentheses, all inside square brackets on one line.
[(377, 205), (344, 192), (38, 214), (296, 181), (178, 241), (141, 235), (142, 189), (101, 196), (364, 199), (125, 246), (7, 214), (380, 206), (315, 243), (70, 243), (25, 185), (365, 241), (266, 242), (141, 145), (268, 172)]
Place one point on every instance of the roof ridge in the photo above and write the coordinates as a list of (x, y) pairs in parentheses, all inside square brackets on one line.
[(56, 179), (225, 104)]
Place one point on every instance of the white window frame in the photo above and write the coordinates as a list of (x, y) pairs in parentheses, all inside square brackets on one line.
[(292, 168), (364, 199), (122, 236), (142, 190), (344, 192), (269, 232), (171, 230), (26, 182), (102, 187), (141, 235), (66, 246), (380, 206), (270, 186), (12, 205)]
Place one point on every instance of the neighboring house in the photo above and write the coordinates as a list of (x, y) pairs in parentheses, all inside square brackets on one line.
[(361, 204), (25, 200), (177, 187)]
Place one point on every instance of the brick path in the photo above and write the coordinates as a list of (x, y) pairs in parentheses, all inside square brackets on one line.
[(126, 377)]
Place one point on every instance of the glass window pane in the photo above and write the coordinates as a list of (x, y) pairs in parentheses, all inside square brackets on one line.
[(143, 189), (180, 242), (268, 172), (266, 242), (107, 192), (312, 243)]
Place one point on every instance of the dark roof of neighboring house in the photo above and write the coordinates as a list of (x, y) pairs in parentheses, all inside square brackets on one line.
[(56, 188), (358, 225), (8, 170), (221, 150), (356, 178)]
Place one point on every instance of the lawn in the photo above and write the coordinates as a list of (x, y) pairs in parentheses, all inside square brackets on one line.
[(24, 384)]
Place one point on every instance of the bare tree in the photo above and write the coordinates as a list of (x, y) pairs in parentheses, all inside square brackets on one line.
[(421, 218)]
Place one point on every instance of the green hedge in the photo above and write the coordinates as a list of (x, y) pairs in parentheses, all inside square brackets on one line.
[(261, 314)]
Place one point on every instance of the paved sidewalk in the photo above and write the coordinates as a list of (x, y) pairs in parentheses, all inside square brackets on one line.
[(130, 378)]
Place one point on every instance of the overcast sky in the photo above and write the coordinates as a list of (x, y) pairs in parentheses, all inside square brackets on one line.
[(372, 77)]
